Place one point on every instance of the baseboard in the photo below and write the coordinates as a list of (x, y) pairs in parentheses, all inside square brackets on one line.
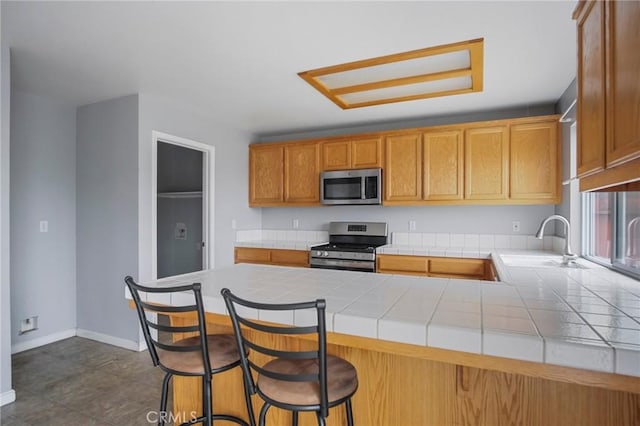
[(41, 341), (111, 340), (7, 397)]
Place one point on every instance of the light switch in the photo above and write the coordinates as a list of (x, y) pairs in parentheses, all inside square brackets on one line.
[(44, 226)]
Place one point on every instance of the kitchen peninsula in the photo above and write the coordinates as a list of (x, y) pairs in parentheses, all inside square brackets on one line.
[(433, 351)]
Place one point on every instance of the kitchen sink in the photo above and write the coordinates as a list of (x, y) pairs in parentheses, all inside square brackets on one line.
[(524, 261)]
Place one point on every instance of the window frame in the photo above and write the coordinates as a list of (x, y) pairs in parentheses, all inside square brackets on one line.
[(587, 236)]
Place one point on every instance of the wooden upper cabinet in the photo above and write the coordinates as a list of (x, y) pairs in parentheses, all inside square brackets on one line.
[(591, 89), (608, 93), (534, 161), (302, 173), (403, 168), (366, 153), (266, 175), (486, 157), (336, 155), (623, 82), (466, 163), (443, 165), (352, 154)]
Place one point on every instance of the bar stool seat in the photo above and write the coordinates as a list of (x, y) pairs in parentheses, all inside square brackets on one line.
[(222, 350), (342, 381)]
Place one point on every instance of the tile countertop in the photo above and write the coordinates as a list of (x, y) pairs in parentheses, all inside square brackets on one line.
[(541, 312)]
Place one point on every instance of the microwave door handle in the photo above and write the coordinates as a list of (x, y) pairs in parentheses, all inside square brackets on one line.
[(363, 193)]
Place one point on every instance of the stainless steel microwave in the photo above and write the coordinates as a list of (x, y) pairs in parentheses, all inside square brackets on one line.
[(351, 187)]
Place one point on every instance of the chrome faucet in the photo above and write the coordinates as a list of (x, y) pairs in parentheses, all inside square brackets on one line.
[(568, 255)]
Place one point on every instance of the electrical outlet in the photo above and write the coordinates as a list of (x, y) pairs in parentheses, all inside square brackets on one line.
[(234, 224), (515, 226), (296, 223), (28, 324), (412, 225)]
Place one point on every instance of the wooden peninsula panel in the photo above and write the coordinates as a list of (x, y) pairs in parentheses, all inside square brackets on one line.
[(408, 385)]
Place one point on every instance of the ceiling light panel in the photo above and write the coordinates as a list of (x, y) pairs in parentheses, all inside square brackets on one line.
[(426, 65), (435, 71), (420, 91)]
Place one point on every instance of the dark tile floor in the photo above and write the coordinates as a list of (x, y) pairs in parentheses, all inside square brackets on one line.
[(82, 382)]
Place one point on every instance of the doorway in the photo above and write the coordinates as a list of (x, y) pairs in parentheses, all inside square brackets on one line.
[(181, 209)]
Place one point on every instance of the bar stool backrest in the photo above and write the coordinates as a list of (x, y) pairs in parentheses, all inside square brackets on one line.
[(246, 330), (148, 316)]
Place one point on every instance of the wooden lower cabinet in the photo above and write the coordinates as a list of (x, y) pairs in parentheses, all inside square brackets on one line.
[(268, 256), (408, 385), (446, 267)]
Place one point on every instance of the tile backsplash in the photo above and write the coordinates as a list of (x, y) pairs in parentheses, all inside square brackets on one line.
[(281, 235), (417, 239), (477, 241)]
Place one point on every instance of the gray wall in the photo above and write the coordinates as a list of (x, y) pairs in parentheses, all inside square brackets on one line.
[(107, 215), (524, 111), (43, 187), (231, 172), (5, 306), (449, 219)]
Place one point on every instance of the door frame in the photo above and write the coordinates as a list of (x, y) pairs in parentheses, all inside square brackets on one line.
[(208, 176)]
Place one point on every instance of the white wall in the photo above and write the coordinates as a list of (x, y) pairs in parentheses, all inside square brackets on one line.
[(43, 187), (7, 394), (231, 172), (107, 217)]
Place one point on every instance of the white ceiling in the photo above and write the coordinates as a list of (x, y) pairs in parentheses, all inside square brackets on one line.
[(239, 61)]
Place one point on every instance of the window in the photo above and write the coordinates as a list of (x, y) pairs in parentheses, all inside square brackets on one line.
[(611, 231)]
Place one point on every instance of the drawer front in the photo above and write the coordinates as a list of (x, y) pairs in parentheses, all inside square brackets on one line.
[(252, 255), (403, 264), (290, 257), (466, 267)]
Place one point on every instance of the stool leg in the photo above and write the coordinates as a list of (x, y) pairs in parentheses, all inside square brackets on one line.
[(206, 400), (320, 419), (247, 398), (263, 413), (349, 412), (294, 418), (163, 399)]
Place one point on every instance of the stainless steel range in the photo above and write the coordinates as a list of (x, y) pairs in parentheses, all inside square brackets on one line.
[(351, 247)]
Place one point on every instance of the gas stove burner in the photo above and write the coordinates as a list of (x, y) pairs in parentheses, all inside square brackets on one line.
[(345, 247)]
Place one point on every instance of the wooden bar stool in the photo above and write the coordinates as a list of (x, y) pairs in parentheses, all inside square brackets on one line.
[(292, 380), (200, 355)]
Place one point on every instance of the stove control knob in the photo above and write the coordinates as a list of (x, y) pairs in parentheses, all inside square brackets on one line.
[(318, 253), (326, 254)]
